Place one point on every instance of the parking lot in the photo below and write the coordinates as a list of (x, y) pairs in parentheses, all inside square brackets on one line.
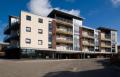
[(57, 68)]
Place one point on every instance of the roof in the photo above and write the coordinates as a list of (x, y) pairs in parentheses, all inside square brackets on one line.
[(52, 14), (104, 28), (88, 28)]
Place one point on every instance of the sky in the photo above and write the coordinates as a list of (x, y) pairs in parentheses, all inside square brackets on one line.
[(105, 13)]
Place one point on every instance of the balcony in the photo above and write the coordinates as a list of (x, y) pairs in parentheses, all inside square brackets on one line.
[(67, 23), (14, 36), (63, 41), (86, 43), (7, 30), (105, 46), (63, 31), (87, 35), (106, 37), (63, 47), (88, 49), (11, 47), (7, 39), (15, 25), (11, 37), (106, 50)]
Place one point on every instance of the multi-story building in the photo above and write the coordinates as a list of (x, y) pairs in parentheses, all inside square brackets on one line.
[(108, 39), (2, 47), (60, 35), (119, 49)]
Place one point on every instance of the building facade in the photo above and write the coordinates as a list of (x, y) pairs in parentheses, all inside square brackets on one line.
[(60, 35), (2, 49), (119, 49)]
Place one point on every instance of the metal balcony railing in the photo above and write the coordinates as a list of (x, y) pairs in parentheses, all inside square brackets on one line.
[(87, 35), (10, 37), (64, 41), (106, 46), (64, 21), (7, 38), (64, 32)]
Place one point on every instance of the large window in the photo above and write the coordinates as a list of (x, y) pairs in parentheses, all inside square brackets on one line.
[(28, 41), (40, 42), (28, 17), (28, 29), (40, 31)]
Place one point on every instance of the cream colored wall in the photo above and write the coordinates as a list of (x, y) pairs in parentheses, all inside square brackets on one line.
[(33, 35)]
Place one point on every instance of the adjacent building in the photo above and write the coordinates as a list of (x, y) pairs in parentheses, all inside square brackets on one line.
[(2, 49), (60, 35), (119, 49)]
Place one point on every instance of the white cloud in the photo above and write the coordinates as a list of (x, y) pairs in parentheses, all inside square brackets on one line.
[(44, 7), (116, 2)]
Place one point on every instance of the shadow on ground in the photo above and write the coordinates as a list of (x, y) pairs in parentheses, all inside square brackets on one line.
[(105, 72)]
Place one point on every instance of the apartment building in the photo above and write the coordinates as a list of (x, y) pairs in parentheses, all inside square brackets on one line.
[(60, 35), (2, 47), (108, 41), (119, 49)]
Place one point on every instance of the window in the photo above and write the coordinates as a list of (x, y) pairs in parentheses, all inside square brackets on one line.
[(50, 38), (40, 42), (28, 41), (28, 18), (40, 20), (28, 29), (40, 31), (50, 27)]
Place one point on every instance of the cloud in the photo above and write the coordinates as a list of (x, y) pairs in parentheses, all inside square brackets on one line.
[(116, 2), (44, 7)]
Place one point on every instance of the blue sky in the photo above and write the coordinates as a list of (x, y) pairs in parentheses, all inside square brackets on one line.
[(96, 12)]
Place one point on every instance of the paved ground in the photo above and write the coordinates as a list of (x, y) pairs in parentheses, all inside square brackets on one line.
[(57, 68)]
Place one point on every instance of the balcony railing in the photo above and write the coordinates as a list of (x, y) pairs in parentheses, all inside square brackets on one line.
[(14, 25), (14, 36), (106, 50), (105, 46), (87, 35), (13, 46), (60, 47), (88, 50), (64, 21), (10, 37), (64, 41), (61, 31), (7, 38), (105, 39), (88, 43)]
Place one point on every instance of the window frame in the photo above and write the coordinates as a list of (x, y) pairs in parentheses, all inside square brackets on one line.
[(40, 42), (28, 17), (40, 20), (27, 29), (40, 31), (27, 40)]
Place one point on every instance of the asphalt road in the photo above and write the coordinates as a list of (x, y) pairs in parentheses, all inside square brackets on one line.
[(57, 68)]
